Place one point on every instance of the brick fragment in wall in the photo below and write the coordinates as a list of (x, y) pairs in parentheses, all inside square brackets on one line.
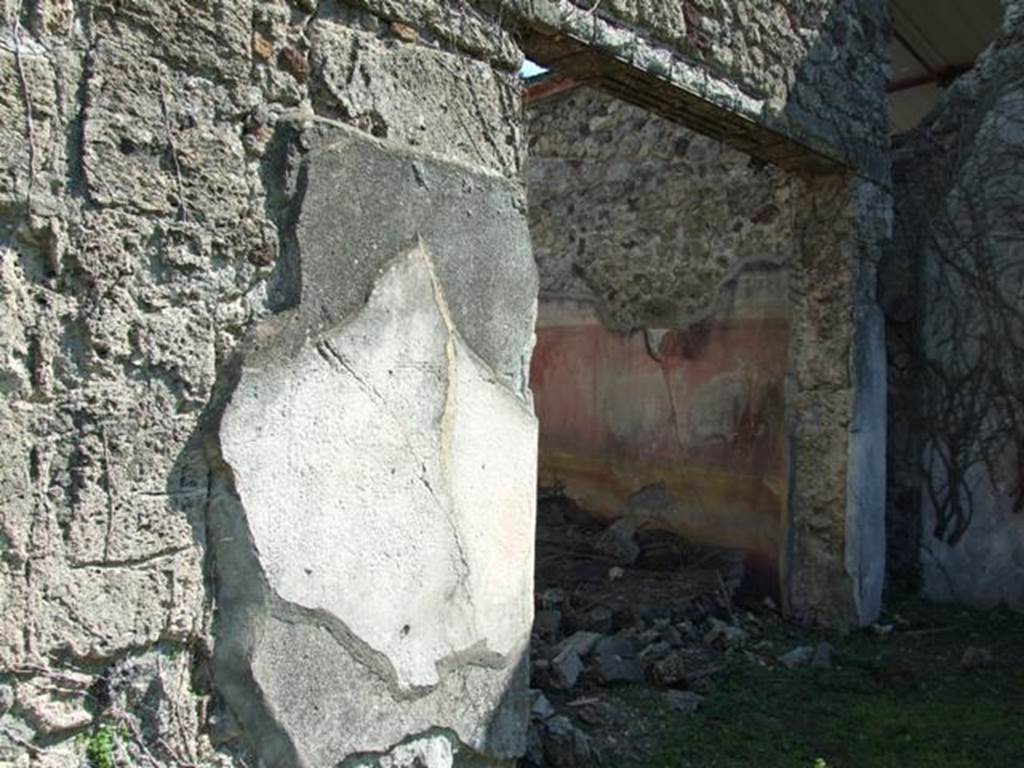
[(464, 26)]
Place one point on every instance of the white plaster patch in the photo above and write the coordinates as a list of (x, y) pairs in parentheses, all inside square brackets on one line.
[(864, 555), (389, 481), (986, 567)]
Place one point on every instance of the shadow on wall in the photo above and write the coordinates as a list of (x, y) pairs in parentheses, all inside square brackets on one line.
[(953, 300)]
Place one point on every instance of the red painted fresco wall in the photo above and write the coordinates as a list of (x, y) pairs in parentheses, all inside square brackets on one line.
[(694, 414)]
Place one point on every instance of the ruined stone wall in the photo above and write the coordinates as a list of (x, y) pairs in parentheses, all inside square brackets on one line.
[(810, 71), (952, 295), (791, 55), (268, 454), (650, 219), (815, 107), (835, 402), (662, 336), (723, 286), (200, 522)]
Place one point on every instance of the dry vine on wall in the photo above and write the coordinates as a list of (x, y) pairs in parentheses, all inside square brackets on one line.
[(969, 286)]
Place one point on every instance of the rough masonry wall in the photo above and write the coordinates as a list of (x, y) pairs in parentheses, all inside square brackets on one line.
[(835, 403), (208, 213), (788, 54), (662, 337), (209, 217), (723, 286), (952, 296), (818, 94), (648, 218), (811, 71)]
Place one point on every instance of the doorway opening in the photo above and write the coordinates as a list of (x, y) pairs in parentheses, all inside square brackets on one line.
[(658, 381)]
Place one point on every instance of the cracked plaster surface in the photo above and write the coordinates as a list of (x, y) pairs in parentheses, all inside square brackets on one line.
[(407, 513)]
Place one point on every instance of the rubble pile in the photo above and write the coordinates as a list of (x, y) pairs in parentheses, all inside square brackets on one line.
[(625, 607)]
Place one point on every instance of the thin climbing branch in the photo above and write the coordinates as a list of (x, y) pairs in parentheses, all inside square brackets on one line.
[(970, 326)]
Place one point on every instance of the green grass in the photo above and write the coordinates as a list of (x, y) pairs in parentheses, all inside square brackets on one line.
[(900, 701), (99, 749)]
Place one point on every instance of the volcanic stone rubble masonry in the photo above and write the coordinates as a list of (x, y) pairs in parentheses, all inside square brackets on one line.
[(267, 305), (662, 344), (650, 238)]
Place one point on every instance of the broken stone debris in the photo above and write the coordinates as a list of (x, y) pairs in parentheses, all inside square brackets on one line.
[(798, 657), (618, 541), (651, 625), (621, 644), (582, 642), (600, 620), (551, 598), (724, 635), (684, 702), (661, 627), (822, 658), (566, 668), (616, 669), (541, 709), (976, 657), (670, 671), (548, 623), (565, 745)]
